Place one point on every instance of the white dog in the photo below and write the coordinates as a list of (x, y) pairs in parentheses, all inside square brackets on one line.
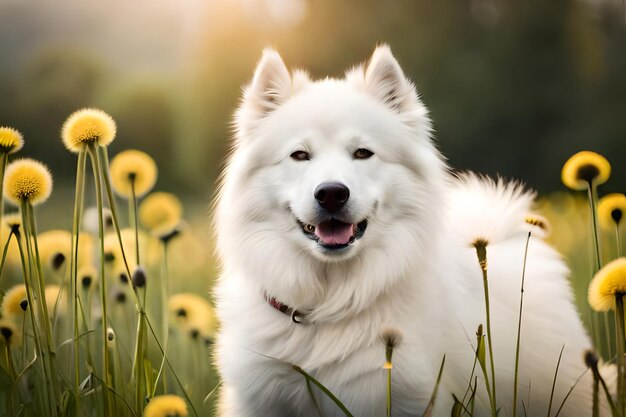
[(337, 219)]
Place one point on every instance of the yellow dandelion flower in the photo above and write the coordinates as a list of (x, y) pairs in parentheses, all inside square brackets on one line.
[(86, 249), (15, 301), (27, 180), (130, 169), (161, 213), (10, 333), (10, 222), (11, 140), (111, 340), (87, 126), (55, 247), (113, 251), (583, 168), (166, 406), (193, 312), (611, 210), (54, 293), (87, 276), (606, 284), (13, 220)]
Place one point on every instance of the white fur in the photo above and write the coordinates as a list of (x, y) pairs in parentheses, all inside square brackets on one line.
[(414, 269)]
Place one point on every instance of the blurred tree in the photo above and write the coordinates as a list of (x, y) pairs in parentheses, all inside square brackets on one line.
[(51, 86), (145, 120), (514, 88)]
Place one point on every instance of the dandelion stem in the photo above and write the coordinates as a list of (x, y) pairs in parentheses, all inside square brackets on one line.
[(138, 362), (592, 196), (164, 323), (481, 251), (4, 254), (519, 328), (182, 387), (31, 307), (78, 203), (133, 205), (388, 392), (4, 158), (112, 206), (95, 164), (32, 249), (620, 334), (595, 408), (593, 203), (618, 241)]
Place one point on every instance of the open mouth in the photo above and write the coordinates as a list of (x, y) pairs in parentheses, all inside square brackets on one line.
[(334, 234)]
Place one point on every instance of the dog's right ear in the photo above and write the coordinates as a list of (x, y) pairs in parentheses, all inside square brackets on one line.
[(270, 87)]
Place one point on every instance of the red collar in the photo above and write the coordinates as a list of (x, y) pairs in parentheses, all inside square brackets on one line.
[(296, 316)]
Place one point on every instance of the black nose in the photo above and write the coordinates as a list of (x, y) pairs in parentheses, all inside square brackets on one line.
[(332, 195)]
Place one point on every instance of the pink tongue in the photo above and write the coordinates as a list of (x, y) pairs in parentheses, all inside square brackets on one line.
[(334, 232)]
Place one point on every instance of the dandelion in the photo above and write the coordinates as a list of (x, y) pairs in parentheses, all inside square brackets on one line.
[(133, 172), (118, 295), (166, 406), (27, 180), (11, 224), (606, 292), (88, 126), (584, 168), (585, 171), (110, 337), (15, 301), (591, 361), (139, 278), (611, 210), (11, 140), (391, 339), (480, 244), (539, 225), (13, 221), (10, 333), (91, 219), (193, 311), (161, 213), (54, 247), (89, 131), (55, 300), (113, 250), (607, 284), (87, 276)]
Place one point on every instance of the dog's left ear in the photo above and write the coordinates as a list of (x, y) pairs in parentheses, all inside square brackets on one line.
[(385, 80)]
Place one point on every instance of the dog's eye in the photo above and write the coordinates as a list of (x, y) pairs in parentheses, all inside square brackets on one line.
[(300, 156), (362, 153)]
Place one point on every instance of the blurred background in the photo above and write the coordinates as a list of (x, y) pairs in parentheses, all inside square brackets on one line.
[(514, 87)]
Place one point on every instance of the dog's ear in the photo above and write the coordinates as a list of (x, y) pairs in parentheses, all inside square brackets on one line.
[(385, 80), (270, 87)]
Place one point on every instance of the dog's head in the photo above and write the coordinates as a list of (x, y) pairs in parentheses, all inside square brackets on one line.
[(334, 170)]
